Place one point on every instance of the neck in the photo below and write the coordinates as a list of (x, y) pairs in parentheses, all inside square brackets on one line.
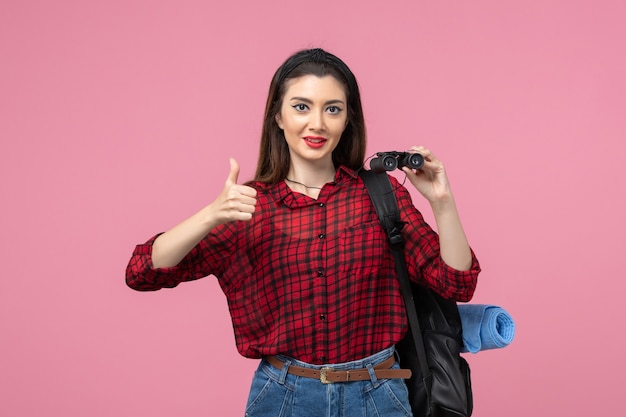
[(309, 180), (311, 176)]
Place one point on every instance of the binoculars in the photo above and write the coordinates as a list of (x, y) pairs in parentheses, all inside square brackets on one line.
[(388, 161)]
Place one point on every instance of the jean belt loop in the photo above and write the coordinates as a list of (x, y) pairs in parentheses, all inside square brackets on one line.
[(284, 371), (372, 372)]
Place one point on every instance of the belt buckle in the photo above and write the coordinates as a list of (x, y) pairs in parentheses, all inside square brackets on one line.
[(323, 378)]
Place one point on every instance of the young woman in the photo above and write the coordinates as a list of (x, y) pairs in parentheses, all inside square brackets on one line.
[(302, 258)]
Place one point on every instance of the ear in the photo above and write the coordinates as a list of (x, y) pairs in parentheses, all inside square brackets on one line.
[(279, 121)]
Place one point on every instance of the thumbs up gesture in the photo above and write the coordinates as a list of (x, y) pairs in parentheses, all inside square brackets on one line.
[(236, 201)]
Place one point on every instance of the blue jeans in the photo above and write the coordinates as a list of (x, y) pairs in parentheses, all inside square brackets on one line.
[(275, 393)]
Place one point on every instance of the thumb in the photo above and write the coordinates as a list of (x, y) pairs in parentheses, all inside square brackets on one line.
[(234, 172)]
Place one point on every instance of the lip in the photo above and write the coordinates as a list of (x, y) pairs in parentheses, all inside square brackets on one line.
[(315, 141)]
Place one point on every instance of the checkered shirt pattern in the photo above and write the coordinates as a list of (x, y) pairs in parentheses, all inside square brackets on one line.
[(313, 279)]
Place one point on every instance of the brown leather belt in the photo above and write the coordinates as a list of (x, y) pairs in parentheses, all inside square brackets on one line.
[(329, 375)]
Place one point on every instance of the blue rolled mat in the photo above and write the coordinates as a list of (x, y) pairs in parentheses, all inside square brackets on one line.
[(485, 327)]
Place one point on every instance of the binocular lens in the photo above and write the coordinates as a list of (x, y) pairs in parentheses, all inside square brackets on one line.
[(414, 160), (388, 161), (384, 163)]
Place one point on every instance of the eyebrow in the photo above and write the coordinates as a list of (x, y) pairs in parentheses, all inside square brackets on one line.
[(309, 101)]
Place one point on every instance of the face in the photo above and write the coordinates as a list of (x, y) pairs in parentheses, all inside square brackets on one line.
[(313, 116)]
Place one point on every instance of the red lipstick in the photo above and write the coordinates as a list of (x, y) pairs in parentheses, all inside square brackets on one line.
[(315, 141)]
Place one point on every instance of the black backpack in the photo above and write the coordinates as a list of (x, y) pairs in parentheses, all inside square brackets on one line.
[(440, 385)]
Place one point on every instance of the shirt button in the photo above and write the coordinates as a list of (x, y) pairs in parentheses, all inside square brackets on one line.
[(321, 236), (321, 204), (323, 317), (320, 272)]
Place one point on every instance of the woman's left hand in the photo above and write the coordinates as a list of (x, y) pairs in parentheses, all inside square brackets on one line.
[(430, 180)]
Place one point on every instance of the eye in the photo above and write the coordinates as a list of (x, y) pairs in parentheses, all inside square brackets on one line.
[(333, 110), (300, 107)]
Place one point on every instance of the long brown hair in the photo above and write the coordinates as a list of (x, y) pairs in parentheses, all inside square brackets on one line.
[(274, 156)]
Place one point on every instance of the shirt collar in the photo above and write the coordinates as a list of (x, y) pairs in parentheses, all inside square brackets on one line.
[(281, 191)]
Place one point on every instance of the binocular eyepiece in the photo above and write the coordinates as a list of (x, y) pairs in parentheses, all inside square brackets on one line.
[(388, 161)]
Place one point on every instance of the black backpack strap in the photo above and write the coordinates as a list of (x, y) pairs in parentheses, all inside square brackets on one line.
[(381, 192)]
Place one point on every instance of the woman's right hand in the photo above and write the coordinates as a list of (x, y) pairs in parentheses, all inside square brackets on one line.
[(235, 202)]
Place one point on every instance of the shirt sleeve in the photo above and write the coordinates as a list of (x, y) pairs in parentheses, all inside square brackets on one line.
[(210, 256), (423, 255)]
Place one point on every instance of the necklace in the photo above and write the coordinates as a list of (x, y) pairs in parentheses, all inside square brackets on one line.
[(304, 185)]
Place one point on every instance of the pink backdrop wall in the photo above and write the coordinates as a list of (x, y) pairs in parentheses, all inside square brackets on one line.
[(117, 119)]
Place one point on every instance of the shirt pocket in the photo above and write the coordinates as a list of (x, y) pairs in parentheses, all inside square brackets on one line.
[(362, 247)]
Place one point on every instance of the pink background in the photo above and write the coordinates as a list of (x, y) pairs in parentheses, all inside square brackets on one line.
[(117, 119)]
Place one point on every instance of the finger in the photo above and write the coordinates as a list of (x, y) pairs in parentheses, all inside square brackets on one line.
[(234, 172), (417, 149), (412, 174), (249, 200), (426, 153), (247, 191), (246, 208), (238, 210)]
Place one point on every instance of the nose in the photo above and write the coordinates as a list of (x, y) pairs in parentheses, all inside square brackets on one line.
[(316, 121)]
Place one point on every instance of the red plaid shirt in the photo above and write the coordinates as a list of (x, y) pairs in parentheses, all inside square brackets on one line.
[(313, 279)]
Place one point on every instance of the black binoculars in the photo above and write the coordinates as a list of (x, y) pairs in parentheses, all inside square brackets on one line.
[(388, 161)]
